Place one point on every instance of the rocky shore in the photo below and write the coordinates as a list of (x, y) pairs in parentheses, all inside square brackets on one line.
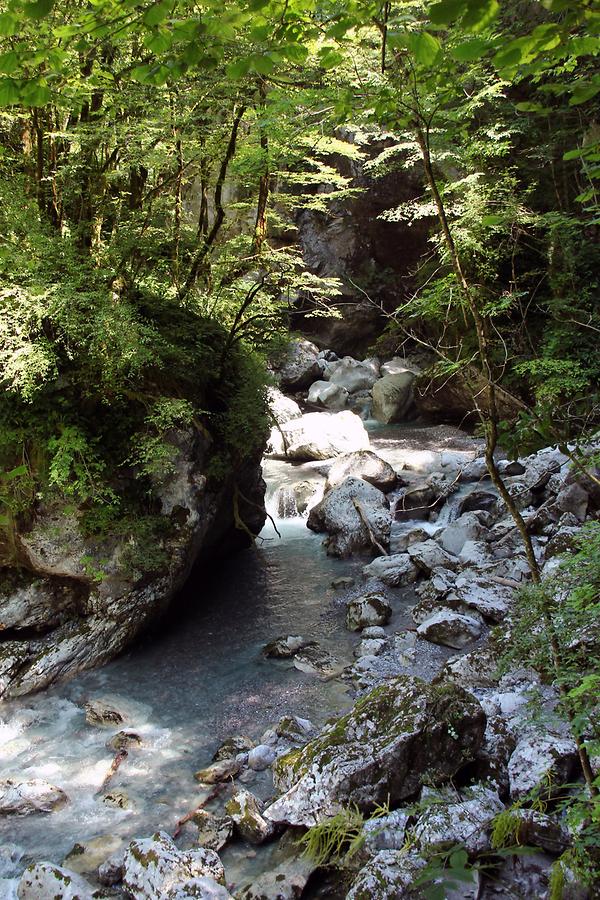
[(419, 767)]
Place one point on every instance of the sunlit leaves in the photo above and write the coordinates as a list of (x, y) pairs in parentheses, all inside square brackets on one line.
[(474, 15), (424, 46)]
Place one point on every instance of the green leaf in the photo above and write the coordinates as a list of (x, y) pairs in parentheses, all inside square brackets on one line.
[(9, 24), (492, 220), (424, 46), (447, 11), (159, 42), (35, 93), (480, 14), (238, 69), (9, 63), (14, 473), (473, 49), (9, 92), (583, 93), (39, 9), (263, 64), (296, 53), (157, 14)]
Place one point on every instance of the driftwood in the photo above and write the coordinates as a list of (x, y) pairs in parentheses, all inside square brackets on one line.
[(367, 524), (218, 789), (120, 756)]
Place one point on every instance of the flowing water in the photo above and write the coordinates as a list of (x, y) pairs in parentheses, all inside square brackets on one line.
[(196, 681)]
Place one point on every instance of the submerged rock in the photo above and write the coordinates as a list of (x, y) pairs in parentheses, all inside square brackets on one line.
[(153, 867), (354, 514), (315, 661), (22, 798), (285, 647), (261, 757), (402, 732), (103, 712)]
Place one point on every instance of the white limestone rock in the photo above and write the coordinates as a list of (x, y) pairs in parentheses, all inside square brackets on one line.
[(153, 867), (451, 629), (342, 514), (402, 732), (46, 881), (23, 798)]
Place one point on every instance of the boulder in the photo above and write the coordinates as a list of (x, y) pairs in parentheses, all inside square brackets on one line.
[(362, 464), (300, 366), (391, 873), (261, 757), (463, 819), (486, 597), (370, 647), (452, 629), (153, 867), (428, 555), (327, 394), (46, 881), (286, 879), (353, 375), (395, 571), (402, 732), (479, 500), (370, 609), (540, 761), (386, 832), (283, 409), (22, 798), (537, 829), (396, 366), (295, 729), (222, 770), (110, 872), (393, 396), (202, 888), (246, 812), (344, 513), (452, 397), (229, 749), (314, 660), (214, 832), (285, 647), (124, 740), (319, 436), (466, 528)]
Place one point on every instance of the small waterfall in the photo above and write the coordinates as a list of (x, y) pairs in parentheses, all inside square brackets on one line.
[(284, 503)]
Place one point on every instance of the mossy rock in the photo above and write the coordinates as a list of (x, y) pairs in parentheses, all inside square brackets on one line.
[(395, 738)]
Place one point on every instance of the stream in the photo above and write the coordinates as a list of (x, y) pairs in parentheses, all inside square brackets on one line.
[(202, 677)]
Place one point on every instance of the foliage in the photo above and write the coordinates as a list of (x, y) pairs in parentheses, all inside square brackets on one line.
[(338, 839)]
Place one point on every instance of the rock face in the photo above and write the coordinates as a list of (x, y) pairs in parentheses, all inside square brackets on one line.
[(451, 398), (362, 464), (404, 731), (390, 873), (91, 596), (355, 515), (319, 436), (393, 396), (154, 868)]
